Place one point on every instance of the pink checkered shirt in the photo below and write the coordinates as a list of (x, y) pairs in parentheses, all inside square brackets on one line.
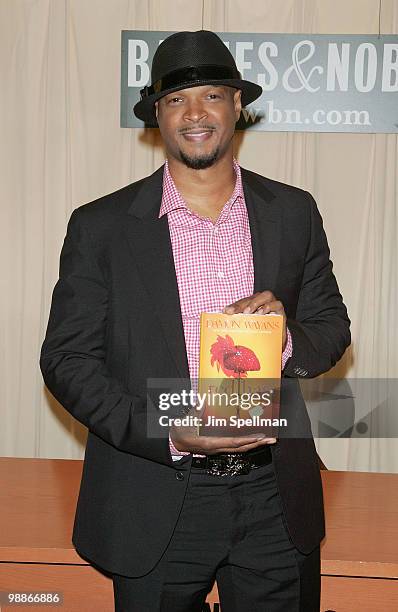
[(213, 262)]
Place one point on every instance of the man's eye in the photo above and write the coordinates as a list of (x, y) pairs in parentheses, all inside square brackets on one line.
[(173, 100), (213, 95)]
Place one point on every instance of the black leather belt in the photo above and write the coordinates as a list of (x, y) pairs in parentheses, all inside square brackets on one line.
[(233, 464)]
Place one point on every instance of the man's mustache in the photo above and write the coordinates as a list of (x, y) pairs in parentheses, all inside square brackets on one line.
[(196, 128)]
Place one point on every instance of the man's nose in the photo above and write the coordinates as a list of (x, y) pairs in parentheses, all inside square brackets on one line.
[(195, 111)]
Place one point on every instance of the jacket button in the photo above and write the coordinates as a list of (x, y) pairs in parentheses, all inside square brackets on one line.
[(180, 476)]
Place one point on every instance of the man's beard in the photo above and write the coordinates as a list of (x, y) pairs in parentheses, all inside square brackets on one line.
[(201, 162)]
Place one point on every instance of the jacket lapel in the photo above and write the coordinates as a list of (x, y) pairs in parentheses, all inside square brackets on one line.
[(265, 228), (150, 246)]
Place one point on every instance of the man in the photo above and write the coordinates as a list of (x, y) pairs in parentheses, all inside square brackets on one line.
[(167, 515)]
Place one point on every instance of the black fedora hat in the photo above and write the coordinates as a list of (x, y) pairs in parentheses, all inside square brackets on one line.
[(190, 59)]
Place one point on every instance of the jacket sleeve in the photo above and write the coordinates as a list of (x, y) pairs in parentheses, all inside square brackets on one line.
[(72, 357), (321, 328)]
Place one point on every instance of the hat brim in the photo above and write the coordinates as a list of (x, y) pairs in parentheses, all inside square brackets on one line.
[(145, 108)]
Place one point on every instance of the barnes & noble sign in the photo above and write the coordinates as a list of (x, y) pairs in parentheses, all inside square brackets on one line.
[(311, 83)]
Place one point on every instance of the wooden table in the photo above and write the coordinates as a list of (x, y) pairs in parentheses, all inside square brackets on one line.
[(37, 504)]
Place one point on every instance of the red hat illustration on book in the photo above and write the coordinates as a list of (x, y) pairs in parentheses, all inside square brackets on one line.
[(233, 359)]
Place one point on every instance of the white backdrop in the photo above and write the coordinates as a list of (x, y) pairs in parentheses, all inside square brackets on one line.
[(61, 146)]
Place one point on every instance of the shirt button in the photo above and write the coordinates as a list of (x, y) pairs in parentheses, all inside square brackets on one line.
[(220, 274), (180, 476), (215, 230)]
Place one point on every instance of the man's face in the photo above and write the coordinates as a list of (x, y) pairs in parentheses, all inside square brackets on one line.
[(197, 124)]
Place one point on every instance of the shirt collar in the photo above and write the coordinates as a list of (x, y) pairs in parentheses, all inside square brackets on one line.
[(172, 199)]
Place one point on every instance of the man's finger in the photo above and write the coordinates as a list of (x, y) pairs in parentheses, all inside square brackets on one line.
[(235, 444), (238, 306), (244, 448), (275, 306), (254, 302), (251, 303), (262, 301)]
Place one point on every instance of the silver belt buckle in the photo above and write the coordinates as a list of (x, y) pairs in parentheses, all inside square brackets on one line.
[(229, 465)]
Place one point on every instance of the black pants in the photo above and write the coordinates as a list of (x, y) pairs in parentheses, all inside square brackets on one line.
[(231, 530)]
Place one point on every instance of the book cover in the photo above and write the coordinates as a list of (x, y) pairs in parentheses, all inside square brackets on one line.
[(239, 373)]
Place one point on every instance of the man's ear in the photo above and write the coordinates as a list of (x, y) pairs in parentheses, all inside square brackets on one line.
[(156, 109), (237, 103)]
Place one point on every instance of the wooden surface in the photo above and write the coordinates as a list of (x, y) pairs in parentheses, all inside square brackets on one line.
[(37, 504), (342, 594), (83, 588), (361, 524)]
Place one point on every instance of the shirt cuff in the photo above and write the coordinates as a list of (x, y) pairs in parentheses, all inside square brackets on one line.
[(288, 352), (174, 451)]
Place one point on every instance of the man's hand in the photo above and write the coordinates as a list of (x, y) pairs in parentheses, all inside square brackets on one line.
[(260, 303), (187, 439)]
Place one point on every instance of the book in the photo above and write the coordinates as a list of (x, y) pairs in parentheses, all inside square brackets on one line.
[(239, 373)]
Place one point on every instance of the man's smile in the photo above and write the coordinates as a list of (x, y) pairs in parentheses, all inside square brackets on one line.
[(199, 134)]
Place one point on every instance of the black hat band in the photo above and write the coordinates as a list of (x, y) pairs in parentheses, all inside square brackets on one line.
[(190, 75)]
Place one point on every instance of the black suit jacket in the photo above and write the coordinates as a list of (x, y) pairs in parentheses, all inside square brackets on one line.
[(115, 321)]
